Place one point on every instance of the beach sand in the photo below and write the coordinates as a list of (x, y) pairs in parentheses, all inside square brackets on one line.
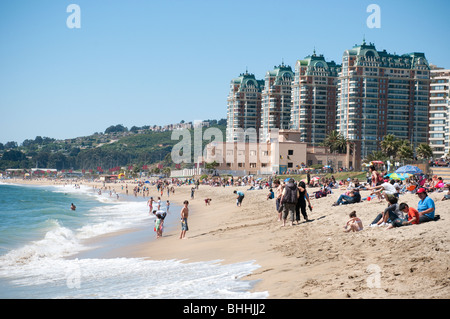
[(315, 259)]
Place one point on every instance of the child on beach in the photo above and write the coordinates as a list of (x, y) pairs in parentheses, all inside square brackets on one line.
[(353, 224), (167, 206), (411, 217), (158, 226), (239, 198), (207, 201)]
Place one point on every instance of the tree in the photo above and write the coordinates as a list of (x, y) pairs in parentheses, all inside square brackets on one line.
[(10, 145), (424, 151), (212, 165), (116, 128), (376, 156), (405, 151), (335, 142), (390, 145), (13, 155)]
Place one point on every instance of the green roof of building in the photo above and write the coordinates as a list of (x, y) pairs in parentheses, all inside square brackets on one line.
[(407, 61), (247, 79)]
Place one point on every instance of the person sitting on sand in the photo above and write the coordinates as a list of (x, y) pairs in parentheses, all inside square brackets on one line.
[(353, 197), (426, 206), (271, 194), (411, 214), (353, 224), (447, 196), (384, 188), (391, 213)]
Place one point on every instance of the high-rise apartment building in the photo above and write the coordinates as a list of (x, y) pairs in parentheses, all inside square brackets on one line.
[(380, 94), (439, 112), (244, 108), (276, 99), (314, 91)]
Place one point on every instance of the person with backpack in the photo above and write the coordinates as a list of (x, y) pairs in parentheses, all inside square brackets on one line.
[(289, 200)]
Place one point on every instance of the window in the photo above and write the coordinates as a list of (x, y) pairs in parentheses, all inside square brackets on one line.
[(290, 165), (290, 152)]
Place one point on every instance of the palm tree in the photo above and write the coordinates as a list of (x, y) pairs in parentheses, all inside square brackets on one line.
[(336, 142), (376, 156), (424, 151), (405, 151), (390, 145)]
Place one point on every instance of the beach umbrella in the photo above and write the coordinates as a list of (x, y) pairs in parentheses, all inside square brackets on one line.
[(410, 169), (401, 176)]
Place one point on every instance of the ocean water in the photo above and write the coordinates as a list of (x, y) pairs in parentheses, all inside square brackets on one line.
[(44, 252)]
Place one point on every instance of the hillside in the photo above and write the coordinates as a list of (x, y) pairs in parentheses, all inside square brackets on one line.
[(117, 147)]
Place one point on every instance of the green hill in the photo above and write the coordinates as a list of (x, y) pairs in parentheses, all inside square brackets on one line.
[(117, 148)]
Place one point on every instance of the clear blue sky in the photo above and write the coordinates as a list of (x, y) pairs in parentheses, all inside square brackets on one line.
[(159, 62)]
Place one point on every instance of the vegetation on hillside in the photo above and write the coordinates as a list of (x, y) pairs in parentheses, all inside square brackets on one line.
[(117, 147)]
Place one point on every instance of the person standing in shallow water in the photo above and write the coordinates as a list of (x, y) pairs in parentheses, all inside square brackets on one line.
[(184, 217)]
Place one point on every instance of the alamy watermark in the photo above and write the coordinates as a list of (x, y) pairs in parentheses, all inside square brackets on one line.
[(73, 276), (74, 19), (374, 19), (374, 279)]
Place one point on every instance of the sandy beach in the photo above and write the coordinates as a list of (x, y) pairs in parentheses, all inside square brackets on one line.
[(315, 259)]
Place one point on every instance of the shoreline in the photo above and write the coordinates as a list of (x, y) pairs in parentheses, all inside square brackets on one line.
[(313, 260)]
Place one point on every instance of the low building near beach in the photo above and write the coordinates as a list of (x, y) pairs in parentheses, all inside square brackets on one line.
[(281, 153)]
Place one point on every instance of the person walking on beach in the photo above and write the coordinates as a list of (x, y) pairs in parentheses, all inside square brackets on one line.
[(301, 202), (289, 201), (150, 204), (278, 194), (184, 217)]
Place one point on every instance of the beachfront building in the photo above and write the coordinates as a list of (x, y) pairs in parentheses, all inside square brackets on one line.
[(281, 153), (314, 91), (244, 108), (439, 138), (381, 93), (276, 99)]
